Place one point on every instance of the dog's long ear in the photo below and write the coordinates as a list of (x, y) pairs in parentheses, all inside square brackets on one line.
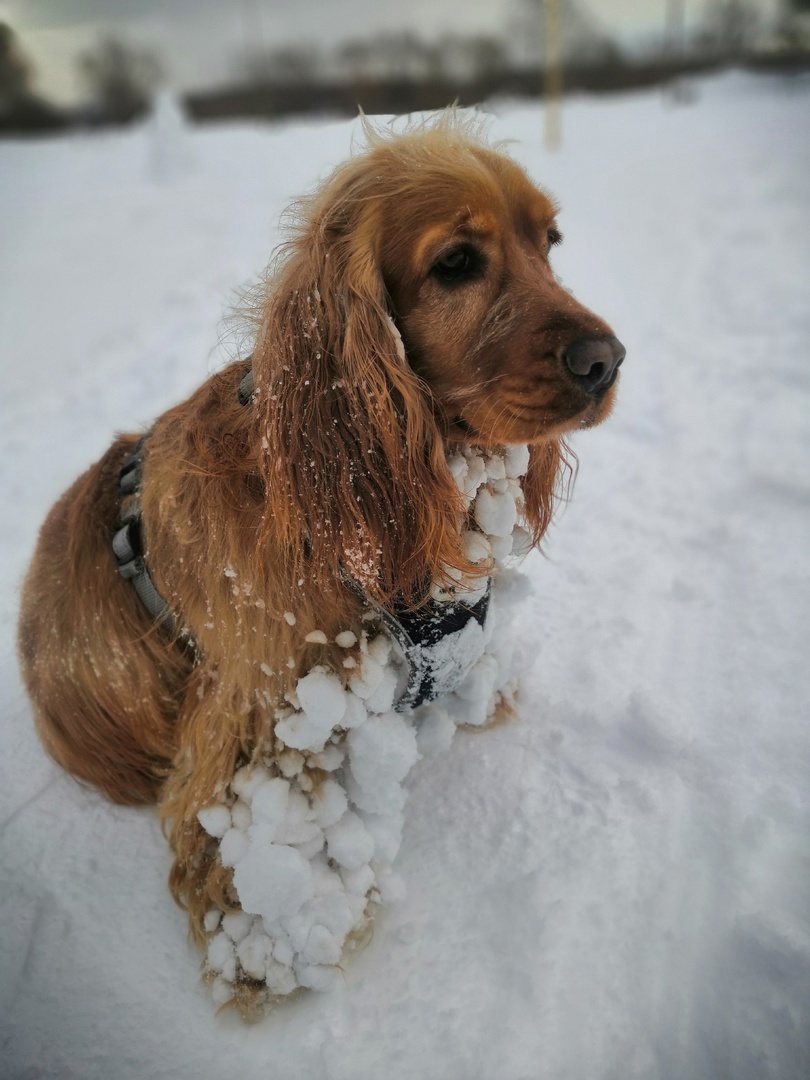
[(548, 480), (354, 469)]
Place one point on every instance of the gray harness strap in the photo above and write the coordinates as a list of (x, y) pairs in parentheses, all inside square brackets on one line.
[(127, 543), (246, 387)]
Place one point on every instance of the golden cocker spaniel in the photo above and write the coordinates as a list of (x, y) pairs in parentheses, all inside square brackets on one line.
[(413, 315)]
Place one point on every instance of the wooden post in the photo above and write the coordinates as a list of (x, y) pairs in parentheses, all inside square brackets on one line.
[(674, 33), (554, 75)]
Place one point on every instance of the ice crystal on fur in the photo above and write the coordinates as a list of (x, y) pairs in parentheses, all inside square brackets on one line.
[(311, 853)]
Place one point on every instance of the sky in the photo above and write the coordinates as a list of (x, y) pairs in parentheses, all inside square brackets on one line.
[(200, 40)]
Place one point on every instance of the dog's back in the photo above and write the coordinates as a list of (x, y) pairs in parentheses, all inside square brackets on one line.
[(104, 685)]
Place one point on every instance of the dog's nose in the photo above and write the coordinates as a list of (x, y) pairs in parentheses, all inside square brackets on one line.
[(594, 362)]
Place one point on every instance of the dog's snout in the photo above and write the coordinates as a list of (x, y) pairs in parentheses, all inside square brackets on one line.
[(594, 361)]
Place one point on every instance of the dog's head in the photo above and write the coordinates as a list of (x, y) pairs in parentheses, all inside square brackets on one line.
[(510, 356), (416, 305)]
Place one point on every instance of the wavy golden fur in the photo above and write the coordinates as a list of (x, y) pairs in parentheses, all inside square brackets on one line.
[(413, 306)]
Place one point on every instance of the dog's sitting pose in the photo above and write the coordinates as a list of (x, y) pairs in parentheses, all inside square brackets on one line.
[(306, 548)]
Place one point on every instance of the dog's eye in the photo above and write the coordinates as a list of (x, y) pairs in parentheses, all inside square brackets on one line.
[(456, 265), (553, 236)]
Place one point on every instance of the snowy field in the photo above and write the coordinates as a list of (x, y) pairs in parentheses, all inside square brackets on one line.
[(615, 885)]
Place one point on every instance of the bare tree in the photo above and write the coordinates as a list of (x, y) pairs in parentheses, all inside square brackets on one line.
[(290, 66), (583, 39), (731, 27), (15, 73), (20, 108), (794, 23), (121, 78)]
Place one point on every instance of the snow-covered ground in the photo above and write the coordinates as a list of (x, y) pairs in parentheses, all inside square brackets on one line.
[(617, 883)]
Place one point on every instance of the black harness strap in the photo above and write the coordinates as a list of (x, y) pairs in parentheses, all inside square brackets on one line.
[(418, 631)]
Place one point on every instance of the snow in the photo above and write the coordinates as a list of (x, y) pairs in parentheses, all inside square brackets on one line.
[(614, 882)]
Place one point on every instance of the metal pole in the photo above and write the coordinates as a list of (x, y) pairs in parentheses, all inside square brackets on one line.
[(554, 75), (674, 33)]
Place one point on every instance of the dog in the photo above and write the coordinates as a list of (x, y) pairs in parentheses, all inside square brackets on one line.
[(413, 320)]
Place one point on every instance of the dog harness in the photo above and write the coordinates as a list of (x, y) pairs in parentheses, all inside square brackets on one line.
[(438, 643), (127, 543)]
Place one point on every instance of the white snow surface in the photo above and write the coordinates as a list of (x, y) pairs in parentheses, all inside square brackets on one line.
[(615, 884)]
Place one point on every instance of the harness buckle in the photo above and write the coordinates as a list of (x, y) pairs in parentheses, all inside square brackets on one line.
[(126, 543), (132, 569), (128, 475)]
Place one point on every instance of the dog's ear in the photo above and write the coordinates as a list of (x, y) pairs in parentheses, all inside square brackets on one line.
[(354, 469), (548, 480)]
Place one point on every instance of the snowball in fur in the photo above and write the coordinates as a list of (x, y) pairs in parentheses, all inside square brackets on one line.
[(323, 702), (476, 546), (331, 757), (501, 547), (380, 648), (381, 699), (247, 779), (233, 846), (332, 911), (457, 464), (517, 461), (221, 991), (237, 925), (269, 805), (280, 980), (475, 476), (496, 467), (368, 678), (322, 947), (349, 842), (329, 803), (216, 820), (272, 880), (495, 514), (254, 952), (316, 976), (381, 753), (298, 832), (291, 762), (211, 920), (221, 956), (241, 815), (358, 881), (356, 712), (283, 951)]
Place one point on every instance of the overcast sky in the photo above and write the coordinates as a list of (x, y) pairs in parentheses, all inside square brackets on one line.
[(200, 41)]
